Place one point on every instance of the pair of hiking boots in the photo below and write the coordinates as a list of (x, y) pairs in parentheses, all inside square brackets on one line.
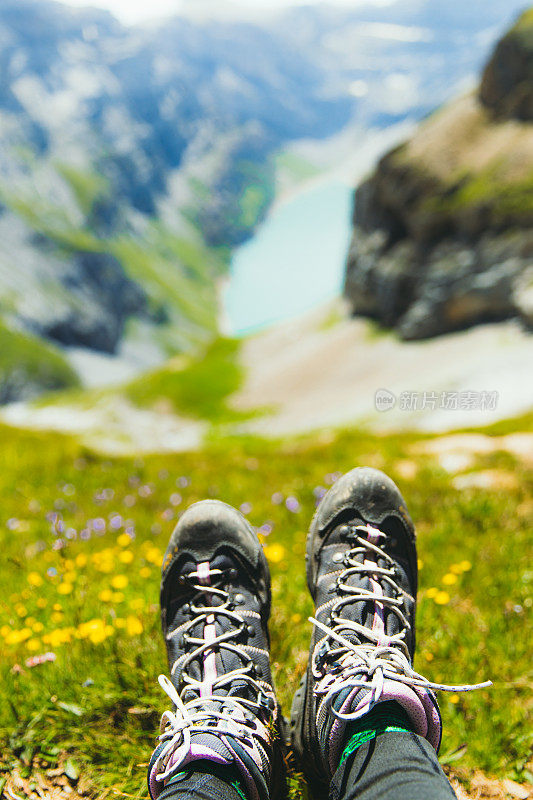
[(215, 603)]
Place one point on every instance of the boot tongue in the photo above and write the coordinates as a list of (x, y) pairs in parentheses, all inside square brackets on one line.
[(372, 614), (213, 663)]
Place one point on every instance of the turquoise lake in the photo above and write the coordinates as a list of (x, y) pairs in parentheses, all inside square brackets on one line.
[(294, 262)]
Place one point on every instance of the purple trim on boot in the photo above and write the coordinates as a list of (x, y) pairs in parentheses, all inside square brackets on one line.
[(416, 702)]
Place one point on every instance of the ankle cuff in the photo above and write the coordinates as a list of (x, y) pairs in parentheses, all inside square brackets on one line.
[(387, 717)]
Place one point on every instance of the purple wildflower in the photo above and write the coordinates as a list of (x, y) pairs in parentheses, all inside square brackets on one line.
[(292, 504)]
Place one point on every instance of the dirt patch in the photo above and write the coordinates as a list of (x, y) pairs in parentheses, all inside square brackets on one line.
[(61, 782), (458, 452), (313, 376), (112, 425), (486, 479), (483, 788)]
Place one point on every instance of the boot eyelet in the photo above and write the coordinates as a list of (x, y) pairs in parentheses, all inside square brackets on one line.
[(338, 558), (251, 631), (239, 599)]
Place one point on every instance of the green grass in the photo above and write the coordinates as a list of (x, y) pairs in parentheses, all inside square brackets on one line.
[(500, 198), (26, 359), (100, 700), (198, 387)]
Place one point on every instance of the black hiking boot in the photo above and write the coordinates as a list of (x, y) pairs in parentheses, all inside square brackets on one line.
[(362, 574), (215, 604)]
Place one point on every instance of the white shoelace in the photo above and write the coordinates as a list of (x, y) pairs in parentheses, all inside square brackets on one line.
[(374, 661), (203, 714), (377, 663)]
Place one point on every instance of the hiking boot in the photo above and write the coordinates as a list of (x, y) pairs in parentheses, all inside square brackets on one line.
[(215, 604), (362, 574)]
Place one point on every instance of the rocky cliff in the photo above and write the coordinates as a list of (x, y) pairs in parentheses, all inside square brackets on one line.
[(443, 229)]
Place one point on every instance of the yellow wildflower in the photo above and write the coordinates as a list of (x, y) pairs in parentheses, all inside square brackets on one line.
[(123, 540), (21, 610), (145, 572), (454, 698), (95, 630), (118, 597), (136, 603), (126, 557), (33, 644), (42, 602), (466, 566), (106, 595), (37, 627), (134, 626), (275, 552), (65, 588), (34, 579), (431, 592), (154, 555), (81, 560), (119, 582), (16, 637), (449, 579), (442, 598)]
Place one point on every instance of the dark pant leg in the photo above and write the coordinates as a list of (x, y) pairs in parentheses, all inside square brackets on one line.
[(201, 786), (392, 766)]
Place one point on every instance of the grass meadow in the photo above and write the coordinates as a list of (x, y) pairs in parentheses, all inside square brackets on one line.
[(82, 537)]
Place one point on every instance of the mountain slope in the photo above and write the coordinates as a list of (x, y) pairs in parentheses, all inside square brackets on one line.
[(443, 229), (133, 159)]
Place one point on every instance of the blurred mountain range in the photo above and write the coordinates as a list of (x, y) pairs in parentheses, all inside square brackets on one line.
[(133, 159)]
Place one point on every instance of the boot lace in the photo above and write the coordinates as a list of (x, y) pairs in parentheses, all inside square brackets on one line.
[(366, 664), (205, 712)]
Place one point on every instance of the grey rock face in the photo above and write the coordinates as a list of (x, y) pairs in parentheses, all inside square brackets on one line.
[(426, 292), (106, 298), (507, 83)]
